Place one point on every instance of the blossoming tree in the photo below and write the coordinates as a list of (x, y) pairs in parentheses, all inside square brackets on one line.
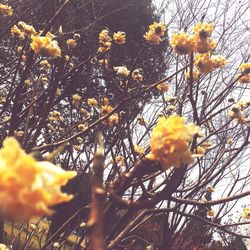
[(161, 130)]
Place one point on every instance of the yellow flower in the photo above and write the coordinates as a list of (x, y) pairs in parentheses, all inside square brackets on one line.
[(246, 213), (45, 46), (84, 112), (3, 247), (28, 187), (204, 63), (235, 113), (105, 41), (245, 68), (104, 36), (27, 82), (122, 71), (219, 61), (203, 45), (203, 30), (105, 101), (163, 87), (211, 213), (16, 32), (44, 80), (207, 64), (210, 189), (182, 43), (152, 38), (196, 75), (19, 49), (105, 109), (119, 37), (6, 10), (156, 30), (170, 141), (113, 119), (81, 126), (136, 75), (76, 97), (104, 47), (71, 43), (24, 58), (139, 150), (45, 65), (76, 100), (92, 102), (28, 30), (244, 78), (120, 160)]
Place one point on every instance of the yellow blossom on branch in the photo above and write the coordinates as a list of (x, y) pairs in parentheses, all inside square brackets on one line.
[(207, 64), (211, 213), (203, 45), (92, 102), (16, 32), (28, 30), (139, 150), (122, 71), (246, 213), (182, 43), (196, 75), (203, 30), (136, 75), (6, 10), (28, 187), (113, 119), (71, 43), (45, 46), (105, 41), (156, 31), (119, 37), (170, 142), (245, 68), (163, 87)]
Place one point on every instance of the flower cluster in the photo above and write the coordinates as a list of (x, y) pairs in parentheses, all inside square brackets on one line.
[(245, 73), (246, 213), (201, 39), (105, 40), (92, 102), (205, 63), (163, 87), (155, 33), (6, 10), (182, 43), (76, 100), (45, 46), (202, 43), (122, 71), (170, 142), (29, 187), (105, 109), (119, 37), (71, 43), (137, 75), (236, 112)]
